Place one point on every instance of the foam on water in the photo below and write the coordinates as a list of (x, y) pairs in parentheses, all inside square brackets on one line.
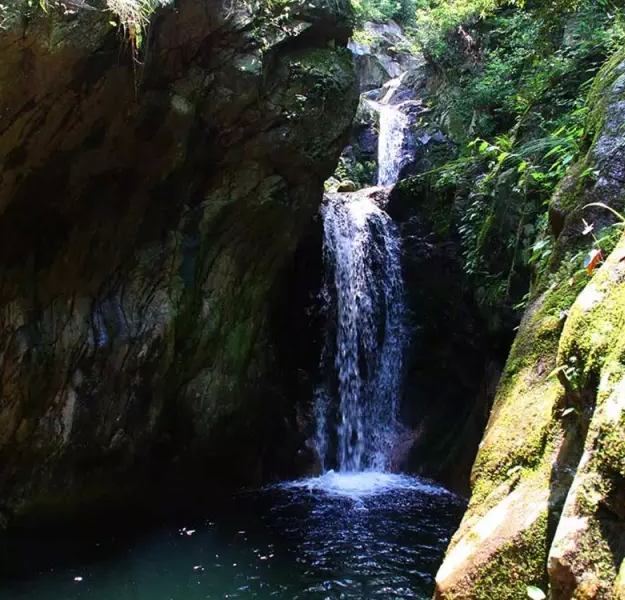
[(365, 484)]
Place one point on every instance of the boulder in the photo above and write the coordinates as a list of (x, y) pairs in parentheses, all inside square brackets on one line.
[(382, 52), (346, 186)]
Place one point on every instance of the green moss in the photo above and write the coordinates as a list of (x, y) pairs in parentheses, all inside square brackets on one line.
[(365, 37), (599, 95), (619, 586), (594, 335), (594, 331), (521, 424), (516, 566), (593, 551), (569, 195), (611, 446)]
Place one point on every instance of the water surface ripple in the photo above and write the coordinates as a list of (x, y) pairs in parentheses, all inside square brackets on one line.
[(340, 536)]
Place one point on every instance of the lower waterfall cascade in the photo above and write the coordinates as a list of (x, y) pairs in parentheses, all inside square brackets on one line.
[(363, 292)]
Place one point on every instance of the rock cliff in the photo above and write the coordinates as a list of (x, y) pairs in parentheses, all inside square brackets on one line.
[(548, 483), (149, 207)]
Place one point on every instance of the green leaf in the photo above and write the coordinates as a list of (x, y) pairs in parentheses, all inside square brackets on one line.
[(555, 150), (587, 172), (557, 370), (535, 593)]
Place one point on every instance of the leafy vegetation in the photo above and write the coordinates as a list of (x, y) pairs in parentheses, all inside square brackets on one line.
[(363, 174), (513, 81), (134, 16), (402, 11)]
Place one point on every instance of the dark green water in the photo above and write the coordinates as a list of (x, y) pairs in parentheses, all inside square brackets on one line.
[(360, 536)]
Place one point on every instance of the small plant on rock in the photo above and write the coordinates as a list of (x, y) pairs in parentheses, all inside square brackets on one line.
[(134, 17)]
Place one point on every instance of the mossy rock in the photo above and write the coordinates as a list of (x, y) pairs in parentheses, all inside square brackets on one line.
[(555, 434), (346, 186), (590, 539)]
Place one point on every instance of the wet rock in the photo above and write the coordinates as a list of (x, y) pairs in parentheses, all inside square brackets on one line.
[(410, 85), (452, 366), (382, 52)]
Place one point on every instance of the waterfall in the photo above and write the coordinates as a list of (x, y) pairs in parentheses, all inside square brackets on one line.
[(363, 298), (393, 124)]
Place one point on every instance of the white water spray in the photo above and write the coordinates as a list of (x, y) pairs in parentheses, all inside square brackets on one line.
[(362, 262)]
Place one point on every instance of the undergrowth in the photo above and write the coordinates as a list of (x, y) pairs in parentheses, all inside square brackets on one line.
[(513, 79)]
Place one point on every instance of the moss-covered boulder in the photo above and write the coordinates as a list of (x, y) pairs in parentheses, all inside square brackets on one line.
[(589, 543), (149, 206), (547, 485)]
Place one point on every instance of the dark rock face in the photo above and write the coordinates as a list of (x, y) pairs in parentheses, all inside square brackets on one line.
[(424, 144), (147, 216), (452, 364)]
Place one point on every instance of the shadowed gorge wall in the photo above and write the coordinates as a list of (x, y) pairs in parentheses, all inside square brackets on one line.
[(147, 212)]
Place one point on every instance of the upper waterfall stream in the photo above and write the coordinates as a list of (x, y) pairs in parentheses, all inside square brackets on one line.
[(393, 124)]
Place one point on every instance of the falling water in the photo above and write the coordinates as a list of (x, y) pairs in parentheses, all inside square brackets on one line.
[(393, 124), (364, 293)]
